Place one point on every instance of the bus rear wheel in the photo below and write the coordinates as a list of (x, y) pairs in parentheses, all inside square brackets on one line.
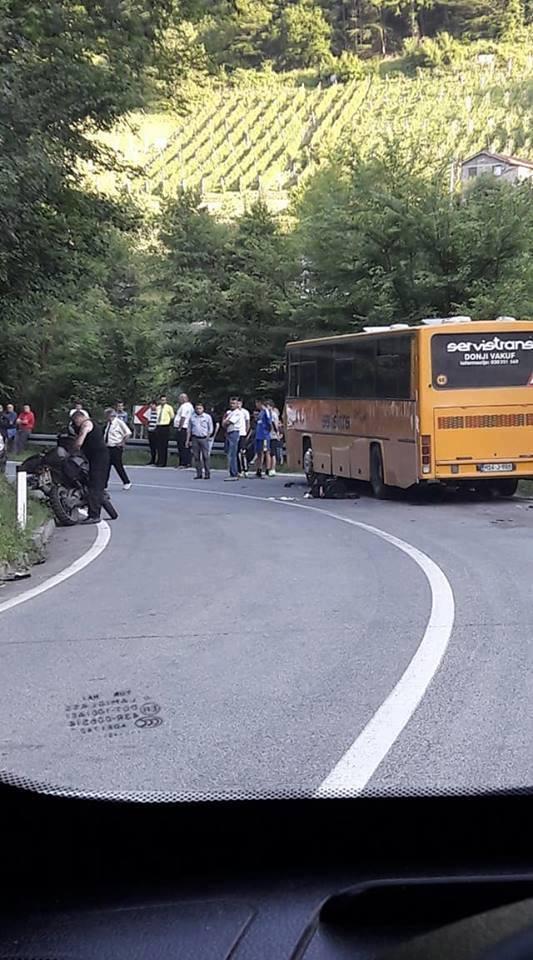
[(506, 487), (379, 488)]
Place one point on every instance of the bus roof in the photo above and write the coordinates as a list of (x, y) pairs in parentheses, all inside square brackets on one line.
[(449, 324)]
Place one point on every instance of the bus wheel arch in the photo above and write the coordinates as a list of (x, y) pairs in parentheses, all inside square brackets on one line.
[(377, 472)]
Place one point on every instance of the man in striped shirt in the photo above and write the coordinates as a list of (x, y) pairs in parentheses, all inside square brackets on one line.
[(151, 424)]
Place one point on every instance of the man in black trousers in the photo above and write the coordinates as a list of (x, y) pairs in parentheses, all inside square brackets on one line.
[(116, 433), (165, 416), (90, 440), (151, 423)]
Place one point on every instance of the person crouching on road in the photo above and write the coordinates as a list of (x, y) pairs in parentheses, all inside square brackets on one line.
[(90, 440), (115, 435), (198, 433)]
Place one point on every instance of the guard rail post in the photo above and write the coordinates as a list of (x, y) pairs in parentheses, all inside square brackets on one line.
[(22, 499)]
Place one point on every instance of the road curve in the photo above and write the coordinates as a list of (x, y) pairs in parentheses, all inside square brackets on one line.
[(231, 646)]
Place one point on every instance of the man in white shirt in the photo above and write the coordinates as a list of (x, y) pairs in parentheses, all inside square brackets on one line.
[(116, 433), (233, 424), (181, 423), (151, 417), (243, 440)]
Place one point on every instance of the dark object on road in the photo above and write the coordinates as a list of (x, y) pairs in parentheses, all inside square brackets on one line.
[(331, 488), (63, 478)]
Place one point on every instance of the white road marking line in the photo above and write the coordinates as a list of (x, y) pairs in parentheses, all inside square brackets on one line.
[(351, 773), (103, 535), (355, 768)]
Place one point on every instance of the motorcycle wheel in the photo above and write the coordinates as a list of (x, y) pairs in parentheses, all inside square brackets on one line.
[(109, 508), (65, 504)]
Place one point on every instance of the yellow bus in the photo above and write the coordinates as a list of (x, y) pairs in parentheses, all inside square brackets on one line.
[(449, 400)]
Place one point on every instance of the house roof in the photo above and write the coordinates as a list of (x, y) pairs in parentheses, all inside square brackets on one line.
[(500, 158)]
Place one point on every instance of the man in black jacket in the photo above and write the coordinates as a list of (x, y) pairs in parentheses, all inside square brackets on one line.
[(90, 440)]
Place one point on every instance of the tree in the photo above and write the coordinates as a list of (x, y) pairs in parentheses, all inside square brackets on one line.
[(386, 243), (233, 288), (68, 69), (302, 36), (235, 33)]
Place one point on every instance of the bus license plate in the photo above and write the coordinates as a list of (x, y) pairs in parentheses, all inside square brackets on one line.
[(495, 467)]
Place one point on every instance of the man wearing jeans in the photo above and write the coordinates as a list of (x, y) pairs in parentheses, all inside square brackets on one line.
[(233, 423)]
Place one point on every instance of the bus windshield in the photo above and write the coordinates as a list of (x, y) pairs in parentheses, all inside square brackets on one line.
[(463, 361)]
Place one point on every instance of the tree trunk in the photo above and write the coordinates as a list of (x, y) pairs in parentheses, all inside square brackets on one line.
[(357, 21), (413, 21), (382, 32)]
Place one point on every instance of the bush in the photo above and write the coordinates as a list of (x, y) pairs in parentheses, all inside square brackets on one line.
[(442, 51), (348, 67)]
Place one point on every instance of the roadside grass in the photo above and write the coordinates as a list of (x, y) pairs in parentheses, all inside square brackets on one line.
[(16, 545)]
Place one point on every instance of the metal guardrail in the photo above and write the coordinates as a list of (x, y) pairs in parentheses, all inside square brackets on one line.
[(50, 439)]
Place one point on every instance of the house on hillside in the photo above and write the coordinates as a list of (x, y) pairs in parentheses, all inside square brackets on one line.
[(511, 169)]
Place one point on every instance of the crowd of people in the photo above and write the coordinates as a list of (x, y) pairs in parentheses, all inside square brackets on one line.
[(251, 440), (15, 430)]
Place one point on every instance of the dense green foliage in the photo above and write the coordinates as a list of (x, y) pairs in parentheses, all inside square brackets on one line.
[(298, 33), (387, 244), (67, 70), (375, 242), (103, 297), (233, 295)]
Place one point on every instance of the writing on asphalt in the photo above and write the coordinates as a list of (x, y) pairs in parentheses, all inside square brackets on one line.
[(113, 715)]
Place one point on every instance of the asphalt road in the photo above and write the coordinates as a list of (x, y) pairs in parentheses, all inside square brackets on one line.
[(229, 644)]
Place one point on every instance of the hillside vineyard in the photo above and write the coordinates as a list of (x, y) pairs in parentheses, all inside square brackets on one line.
[(266, 140)]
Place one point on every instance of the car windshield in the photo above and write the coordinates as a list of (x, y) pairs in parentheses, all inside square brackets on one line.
[(280, 253)]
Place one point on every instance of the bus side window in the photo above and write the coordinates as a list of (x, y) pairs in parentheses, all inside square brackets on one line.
[(365, 370), (344, 370), (393, 368), (307, 378), (324, 373), (294, 380)]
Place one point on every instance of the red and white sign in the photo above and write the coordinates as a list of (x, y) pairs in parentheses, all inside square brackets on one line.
[(139, 413)]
